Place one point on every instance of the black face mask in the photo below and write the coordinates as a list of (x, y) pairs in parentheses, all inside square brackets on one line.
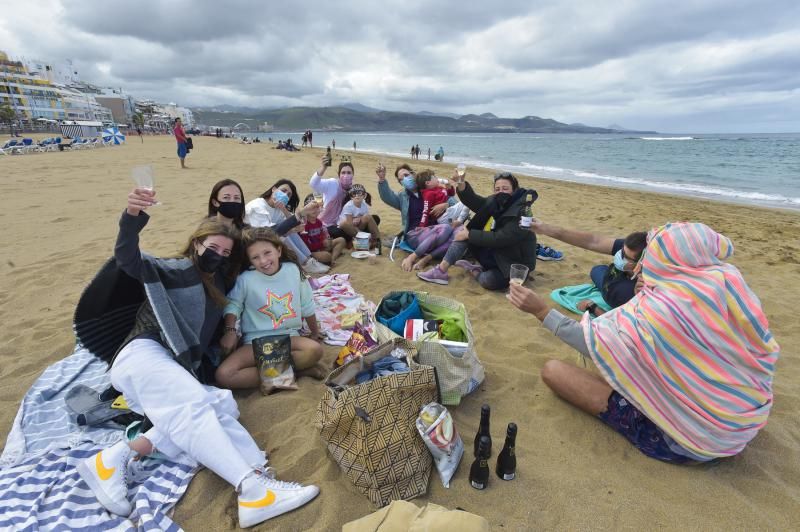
[(502, 199), (230, 209), (211, 261)]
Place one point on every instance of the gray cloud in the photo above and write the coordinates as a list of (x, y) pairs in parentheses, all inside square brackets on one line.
[(709, 65)]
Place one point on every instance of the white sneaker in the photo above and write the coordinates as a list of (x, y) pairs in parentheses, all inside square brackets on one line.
[(263, 497), (106, 475), (312, 265)]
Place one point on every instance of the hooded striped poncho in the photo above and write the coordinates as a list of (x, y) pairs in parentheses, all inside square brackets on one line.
[(692, 350)]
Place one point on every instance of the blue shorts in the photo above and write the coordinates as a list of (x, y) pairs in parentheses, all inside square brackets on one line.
[(182, 150), (645, 435)]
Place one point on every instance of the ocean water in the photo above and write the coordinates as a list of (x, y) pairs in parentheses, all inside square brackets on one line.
[(761, 169)]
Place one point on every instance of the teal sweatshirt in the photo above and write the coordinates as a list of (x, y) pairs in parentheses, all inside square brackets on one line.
[(271, 304)]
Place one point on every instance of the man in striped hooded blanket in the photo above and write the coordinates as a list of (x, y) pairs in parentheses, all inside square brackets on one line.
[(686, 365)]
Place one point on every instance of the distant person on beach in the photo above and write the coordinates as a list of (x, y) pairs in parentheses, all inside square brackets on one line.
[(139, 132), (686, 366), (354, 145), (616, 280), (310, 139), (413, 151), (155, 357), (439, 154), (180, 137), (333, 143), (493, 236), (271, 299), (429, 153), (416, 151)]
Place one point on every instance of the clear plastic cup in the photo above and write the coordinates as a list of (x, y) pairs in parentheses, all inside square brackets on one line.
[(518, 274), (143, 176)]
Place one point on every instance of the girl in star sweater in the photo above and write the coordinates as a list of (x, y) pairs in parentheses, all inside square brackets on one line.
[(271, 298)]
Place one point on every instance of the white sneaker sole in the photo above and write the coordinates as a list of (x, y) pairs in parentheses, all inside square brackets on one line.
[(548, 259), (278, 509), (115, 507)]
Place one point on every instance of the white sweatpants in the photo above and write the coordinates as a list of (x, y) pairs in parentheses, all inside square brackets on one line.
[(187, 416)]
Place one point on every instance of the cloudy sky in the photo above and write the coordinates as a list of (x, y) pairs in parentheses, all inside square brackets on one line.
[(700, 66)]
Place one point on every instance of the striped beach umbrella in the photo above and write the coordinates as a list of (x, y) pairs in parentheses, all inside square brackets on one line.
[(112, 134)]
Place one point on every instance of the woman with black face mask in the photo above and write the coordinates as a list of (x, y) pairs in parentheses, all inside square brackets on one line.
[(226, 202), (493, 236), (153, 320)]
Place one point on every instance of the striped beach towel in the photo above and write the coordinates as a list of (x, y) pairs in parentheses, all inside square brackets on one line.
[(692, 350), (39, 486)]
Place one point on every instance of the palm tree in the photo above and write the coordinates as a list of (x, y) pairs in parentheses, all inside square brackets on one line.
[(8, 116)]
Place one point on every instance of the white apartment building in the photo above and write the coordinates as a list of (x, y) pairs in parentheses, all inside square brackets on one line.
[(35, 91)]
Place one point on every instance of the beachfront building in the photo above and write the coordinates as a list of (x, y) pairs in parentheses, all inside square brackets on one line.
[(160, 117), (36, 92), (174, 111), (29, 96), (122, 105)]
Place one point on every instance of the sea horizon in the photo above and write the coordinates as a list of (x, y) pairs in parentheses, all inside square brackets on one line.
[(758, 169)]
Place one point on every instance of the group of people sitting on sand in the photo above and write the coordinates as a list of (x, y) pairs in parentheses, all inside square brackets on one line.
[(287, 145), (685, 358)]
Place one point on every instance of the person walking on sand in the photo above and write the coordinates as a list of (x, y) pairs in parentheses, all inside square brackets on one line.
[(180, 137), (354, 145), (429, 153)]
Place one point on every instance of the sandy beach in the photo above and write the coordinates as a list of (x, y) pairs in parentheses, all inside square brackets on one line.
[(574, 473)]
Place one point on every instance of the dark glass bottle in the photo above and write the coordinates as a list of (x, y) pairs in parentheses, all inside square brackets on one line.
[(483, 430), (479, 472), (507, 459)]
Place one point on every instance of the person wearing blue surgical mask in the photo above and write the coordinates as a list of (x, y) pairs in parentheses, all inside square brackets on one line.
[(408, 201), (275, 206), (616, 281)]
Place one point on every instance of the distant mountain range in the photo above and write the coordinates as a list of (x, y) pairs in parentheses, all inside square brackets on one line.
[(357, 117)]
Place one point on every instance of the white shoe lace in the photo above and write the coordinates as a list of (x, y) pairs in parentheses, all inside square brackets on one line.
[(266, 476)]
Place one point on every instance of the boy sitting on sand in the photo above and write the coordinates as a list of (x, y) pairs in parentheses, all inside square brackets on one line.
[(356, 213)]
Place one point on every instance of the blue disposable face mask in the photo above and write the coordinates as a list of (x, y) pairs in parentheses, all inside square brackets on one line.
[(409, 183), (280, 196), (620, 261)]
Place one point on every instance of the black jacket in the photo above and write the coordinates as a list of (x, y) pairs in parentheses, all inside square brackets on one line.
[(510, 243)]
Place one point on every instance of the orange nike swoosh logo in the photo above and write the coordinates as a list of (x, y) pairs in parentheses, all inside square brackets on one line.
[(268, 499), (102, 471)]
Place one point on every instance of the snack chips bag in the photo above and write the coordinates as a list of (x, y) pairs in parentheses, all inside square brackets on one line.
[(436, 427), (359, 343), (273, 356)]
